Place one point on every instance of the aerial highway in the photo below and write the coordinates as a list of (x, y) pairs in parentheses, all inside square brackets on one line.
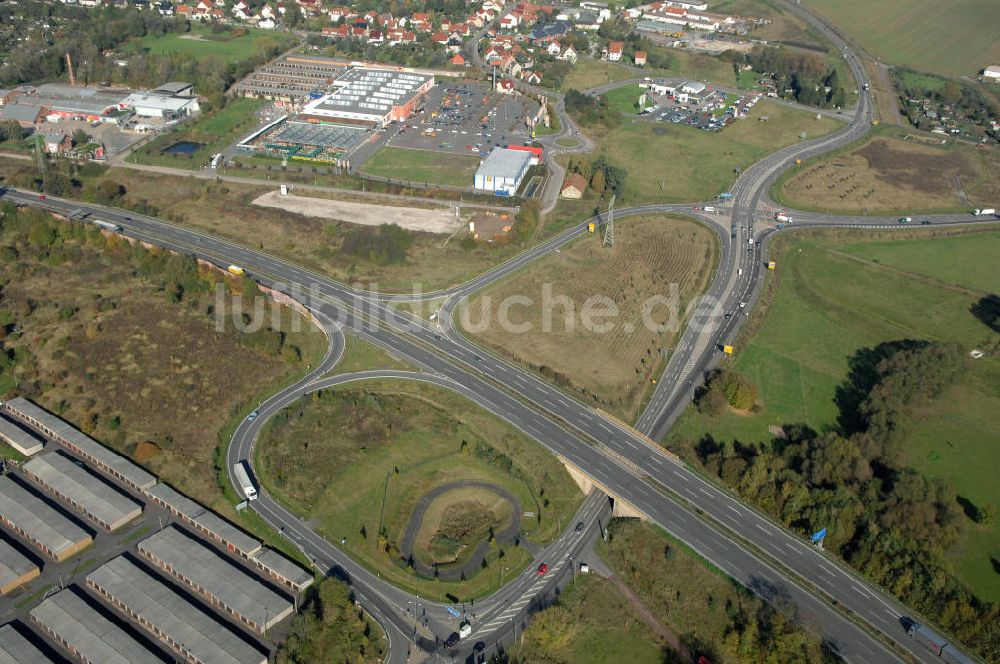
[(857, 619), (747, 545)]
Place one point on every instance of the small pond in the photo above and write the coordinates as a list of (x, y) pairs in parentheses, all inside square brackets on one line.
[(183, 147)]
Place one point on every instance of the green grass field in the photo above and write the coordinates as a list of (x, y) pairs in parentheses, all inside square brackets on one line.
[(409, 165), (201, 42), (625, 99), (591, 624), (675, 163), (357, 461), (215, 130), (589, 73), (839, 292), (950, 38)]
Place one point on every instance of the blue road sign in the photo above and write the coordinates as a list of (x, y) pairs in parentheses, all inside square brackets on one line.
[(453, 612), (818, 536)]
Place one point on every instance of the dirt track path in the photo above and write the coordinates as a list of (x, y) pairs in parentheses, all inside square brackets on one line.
[(658, 627)]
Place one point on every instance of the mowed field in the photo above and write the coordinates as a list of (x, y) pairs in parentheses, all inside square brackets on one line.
[(654, 255), (891, 175), (678, 163), (200, 42), (405, 164), (952, 38), (837, 292), (356, 461), (589, 73)]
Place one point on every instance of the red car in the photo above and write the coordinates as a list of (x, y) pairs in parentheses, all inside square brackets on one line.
[(542, 569), (41, 197)]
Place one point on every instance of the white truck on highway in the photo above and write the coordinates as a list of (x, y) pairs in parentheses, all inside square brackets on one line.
[(106, 225), (243, 479), (782, 217), (984, 211)]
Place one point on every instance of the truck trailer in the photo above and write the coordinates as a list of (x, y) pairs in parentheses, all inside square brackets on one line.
[(927, 638), (984, 211), (107, 225), (243, 479)]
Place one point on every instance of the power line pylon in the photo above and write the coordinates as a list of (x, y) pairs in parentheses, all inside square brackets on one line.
[(609, 224)]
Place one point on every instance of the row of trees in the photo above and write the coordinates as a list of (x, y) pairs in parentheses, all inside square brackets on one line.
[(591, 110), (331, 628), (602, 176), (889, 522), (807, 77)]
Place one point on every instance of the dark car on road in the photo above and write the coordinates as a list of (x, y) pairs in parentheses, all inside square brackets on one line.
[(452, 640), (579, 527)]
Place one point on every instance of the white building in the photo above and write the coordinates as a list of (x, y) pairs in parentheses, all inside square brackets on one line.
[(992, 73), (151, 105), (694, 88), (502, 171)]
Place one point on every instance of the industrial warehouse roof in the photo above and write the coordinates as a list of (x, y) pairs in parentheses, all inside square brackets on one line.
[(228, 533), (88, 632), (207, 520), (88, 446), (284, 568), (19, 112), (200, 566), (369, 92), (502, 163), (158, 102), (15, 649), (74, 99), (34, 516), (13, 564), (93, 495), (170, 614), (24, 442), (174, 87), (693, 87)]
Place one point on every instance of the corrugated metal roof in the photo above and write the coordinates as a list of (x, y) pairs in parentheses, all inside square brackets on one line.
[(34, 516), (203, 637), (206, 569), (89, 632), (101, 501), (16, 649)]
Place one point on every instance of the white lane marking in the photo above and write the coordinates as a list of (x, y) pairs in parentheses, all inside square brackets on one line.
[(704, 491), (762, 528), (793, 548), (828, 570), (733, 509), (681, 476), (859, 590)]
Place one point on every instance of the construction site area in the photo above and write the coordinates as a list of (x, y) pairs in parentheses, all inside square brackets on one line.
[(101, 562)]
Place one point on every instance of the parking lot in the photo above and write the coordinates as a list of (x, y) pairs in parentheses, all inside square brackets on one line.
[(465, 118), (710, 113)]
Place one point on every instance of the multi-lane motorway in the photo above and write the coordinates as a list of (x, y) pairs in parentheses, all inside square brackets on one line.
[(860, 621)]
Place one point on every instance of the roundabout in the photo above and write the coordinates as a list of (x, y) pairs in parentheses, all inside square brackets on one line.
[(455, 525)]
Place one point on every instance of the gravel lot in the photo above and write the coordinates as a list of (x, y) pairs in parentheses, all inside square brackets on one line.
[(367, 214)]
